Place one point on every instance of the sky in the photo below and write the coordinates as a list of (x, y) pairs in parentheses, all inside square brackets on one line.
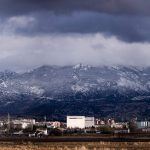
[(66, 32)]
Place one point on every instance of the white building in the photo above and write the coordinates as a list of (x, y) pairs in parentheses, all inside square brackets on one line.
[(1, 123), (79, 122), (89, 122), (119, 125)]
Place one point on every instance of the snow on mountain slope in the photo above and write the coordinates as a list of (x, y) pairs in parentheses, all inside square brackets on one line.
[(55, 80), (80, 89)]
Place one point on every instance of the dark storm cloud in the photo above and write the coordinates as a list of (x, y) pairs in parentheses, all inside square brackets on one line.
[(13, 7), (128, 28), (127, 19)]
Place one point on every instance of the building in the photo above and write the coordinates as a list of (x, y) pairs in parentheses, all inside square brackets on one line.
[(119, 125), (52, 124), (89, 122), (143, 124), (23, 123), (99, 122), (1, 124), (79, 122), (56, 124), (121, 131)]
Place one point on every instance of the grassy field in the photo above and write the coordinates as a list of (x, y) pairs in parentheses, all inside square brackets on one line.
[(76, 146)]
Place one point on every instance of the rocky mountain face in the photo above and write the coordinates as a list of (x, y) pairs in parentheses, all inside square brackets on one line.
[(118, 91)]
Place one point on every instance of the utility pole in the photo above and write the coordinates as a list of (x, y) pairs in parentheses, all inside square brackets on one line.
[(8, 122), (45, 119)]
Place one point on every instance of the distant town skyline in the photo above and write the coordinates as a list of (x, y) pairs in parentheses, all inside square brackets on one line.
[(67, 32)]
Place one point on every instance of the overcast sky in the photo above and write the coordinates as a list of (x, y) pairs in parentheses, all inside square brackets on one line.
[(67, 32)]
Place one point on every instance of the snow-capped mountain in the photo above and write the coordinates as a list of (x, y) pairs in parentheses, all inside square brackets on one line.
[(38, 90)]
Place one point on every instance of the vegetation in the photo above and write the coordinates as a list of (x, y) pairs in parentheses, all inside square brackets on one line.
[(76, 146), (105, 129)]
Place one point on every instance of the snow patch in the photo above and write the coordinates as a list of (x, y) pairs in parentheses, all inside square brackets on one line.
[(78, 88), (124, 82), (36, 90), (100, 80), (3, 84), (75, 77), (82, 67)]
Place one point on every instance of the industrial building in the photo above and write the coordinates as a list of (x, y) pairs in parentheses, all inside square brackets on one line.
[(80, 122), (143, 124)]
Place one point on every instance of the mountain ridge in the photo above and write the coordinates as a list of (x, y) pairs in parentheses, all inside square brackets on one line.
[(47, 88)]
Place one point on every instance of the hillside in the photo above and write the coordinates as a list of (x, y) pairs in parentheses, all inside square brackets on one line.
[(117, 91)]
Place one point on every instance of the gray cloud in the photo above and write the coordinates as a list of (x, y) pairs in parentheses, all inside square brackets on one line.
[(21, 53)]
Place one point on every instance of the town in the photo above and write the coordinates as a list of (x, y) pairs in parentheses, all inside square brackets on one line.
[(74, 125)]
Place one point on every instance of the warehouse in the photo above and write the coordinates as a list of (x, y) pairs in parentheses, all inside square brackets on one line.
[(79, 122)]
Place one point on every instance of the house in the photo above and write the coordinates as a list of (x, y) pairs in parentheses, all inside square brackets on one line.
[(23, 123)]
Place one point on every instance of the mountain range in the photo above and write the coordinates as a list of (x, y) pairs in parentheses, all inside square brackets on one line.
[(121, 92)]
